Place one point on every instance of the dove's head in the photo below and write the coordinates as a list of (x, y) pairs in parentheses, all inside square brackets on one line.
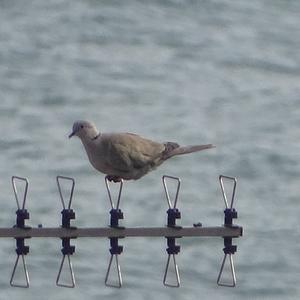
[(84, 130)]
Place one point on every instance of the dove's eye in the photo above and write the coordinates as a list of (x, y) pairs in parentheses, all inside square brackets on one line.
[(81, 126)]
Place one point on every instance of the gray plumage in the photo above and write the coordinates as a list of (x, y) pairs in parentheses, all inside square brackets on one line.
[(126, 155)]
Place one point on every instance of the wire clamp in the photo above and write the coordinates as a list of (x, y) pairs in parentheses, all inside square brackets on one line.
[(115, 250), (21, 248), (67, 249), (173, 214), (229, 214)]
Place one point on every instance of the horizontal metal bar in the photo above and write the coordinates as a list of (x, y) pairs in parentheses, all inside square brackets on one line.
[(59, 232)]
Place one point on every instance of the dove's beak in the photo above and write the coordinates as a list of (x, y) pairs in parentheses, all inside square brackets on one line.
[(72, 134)]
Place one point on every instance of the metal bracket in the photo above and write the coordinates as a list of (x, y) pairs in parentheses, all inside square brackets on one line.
[(107, 183), (229, 214), (115, 251), (115, 215), (114, 232), (173, 249), (67, 249), (21, 249)]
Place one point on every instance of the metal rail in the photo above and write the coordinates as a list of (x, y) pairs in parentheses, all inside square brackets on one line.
[(102, 232)]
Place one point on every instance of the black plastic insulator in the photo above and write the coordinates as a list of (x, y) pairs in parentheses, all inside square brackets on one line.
[(173, 214), (172, 247), (115, 248), (67, 249), (21, 248), (229, 248), (67, 216), (115, 216), (22, 215), (230, 214)]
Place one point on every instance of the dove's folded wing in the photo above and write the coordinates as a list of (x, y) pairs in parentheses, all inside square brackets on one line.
[(126, 152)]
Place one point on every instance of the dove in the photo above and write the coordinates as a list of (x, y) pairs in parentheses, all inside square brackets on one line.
[(126, 155)]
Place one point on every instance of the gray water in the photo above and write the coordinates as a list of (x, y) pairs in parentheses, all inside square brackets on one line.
[(222, 72)]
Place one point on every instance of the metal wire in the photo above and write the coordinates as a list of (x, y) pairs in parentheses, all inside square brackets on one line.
[(176, 270), (72, 276), (118, 271), (60, 190), (233, 179), (232, 271), (13, 180), (13, 274), (164, 179), (107, 183)]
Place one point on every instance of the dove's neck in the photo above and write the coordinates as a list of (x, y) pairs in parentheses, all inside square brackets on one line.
[(90, 141), (90, 146)]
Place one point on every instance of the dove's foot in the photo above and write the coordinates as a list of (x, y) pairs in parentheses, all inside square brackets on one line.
[(114, 178)]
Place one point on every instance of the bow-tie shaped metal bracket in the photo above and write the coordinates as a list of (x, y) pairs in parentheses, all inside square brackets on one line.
[(21, 250), (115, 215), (229, 249), (67, 249), (173, 214)]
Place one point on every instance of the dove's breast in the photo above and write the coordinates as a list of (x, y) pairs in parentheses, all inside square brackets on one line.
[(96, 156)]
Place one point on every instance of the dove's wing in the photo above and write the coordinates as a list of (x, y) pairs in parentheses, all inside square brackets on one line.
[(126, 152)]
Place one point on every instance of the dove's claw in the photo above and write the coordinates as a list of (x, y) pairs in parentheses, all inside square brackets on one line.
[(114, 178)]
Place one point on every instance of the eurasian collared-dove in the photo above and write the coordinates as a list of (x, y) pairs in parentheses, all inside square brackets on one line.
[(126, 155)]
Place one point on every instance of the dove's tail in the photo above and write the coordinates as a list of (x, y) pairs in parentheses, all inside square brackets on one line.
[(179, 150)]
